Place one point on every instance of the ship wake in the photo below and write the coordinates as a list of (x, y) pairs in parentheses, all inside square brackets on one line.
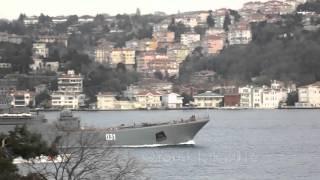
[(188, 143)]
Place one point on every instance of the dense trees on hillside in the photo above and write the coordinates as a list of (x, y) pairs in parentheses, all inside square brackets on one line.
[(313, 6), (178, 28), (282, 51), (18, 55)]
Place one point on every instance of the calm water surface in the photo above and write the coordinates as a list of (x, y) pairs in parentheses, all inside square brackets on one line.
[(235, 144)]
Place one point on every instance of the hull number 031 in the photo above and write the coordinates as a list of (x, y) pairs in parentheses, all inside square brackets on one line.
[(110, 137)]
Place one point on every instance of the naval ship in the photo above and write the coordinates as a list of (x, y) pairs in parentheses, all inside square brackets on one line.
[(139, 135)]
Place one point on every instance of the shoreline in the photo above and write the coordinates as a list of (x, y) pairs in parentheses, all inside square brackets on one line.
[(174, 109)]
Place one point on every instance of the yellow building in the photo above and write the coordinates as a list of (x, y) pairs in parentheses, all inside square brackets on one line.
[(149, 100), (108, 101), (125, 56)]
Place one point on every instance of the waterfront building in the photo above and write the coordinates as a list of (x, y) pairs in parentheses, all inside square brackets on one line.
[(148, 99), (231, 100), (108, 101), (22, 99), (208, 99), (171, 101), (67, 100), (250, 97), (309, 95), (264, 97), (69, 94)]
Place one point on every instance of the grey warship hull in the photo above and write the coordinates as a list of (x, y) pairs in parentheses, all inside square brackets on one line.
[(148, 136)]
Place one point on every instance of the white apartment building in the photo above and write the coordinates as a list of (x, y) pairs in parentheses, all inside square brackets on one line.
[(40, 50), (208, 100), (309, 95), (239, 35), (22, 99), (172, 100), (272, 98), (189, 38), (250, 97), (69, 94), (70, 82), (190, 21), (5, 65), (67, 100), (263, 97)]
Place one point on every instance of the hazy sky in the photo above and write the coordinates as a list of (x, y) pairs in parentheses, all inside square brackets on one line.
[(12, 8)]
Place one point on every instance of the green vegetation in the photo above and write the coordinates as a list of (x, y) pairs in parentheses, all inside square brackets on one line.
[(178, 28), (21, 143), (282, 51), (226, 23), (18, 55), (99, 79), (312, 6), (210, 20)]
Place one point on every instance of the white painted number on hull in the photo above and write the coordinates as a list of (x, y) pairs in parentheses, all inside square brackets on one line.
[(110, 137)]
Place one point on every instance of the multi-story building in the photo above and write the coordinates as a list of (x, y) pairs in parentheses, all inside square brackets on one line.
[(40, 50), (30, 20), (264, 97), (208, 99), (189, 38), (164, 36), (125, 56), (219, 16), (62, 39), (240, 34), (213, 44), (102, 52), (5, 65), (148, 99), (142, 45), (162, 26), (178, 53), (309, 95), (272, 98), (69, 94), (67, 100), (11, 38), (8, 85), (250, 97), (150, 62), (108, 101), (172, 101), (70, 82), (187, 20), (22, 99)]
